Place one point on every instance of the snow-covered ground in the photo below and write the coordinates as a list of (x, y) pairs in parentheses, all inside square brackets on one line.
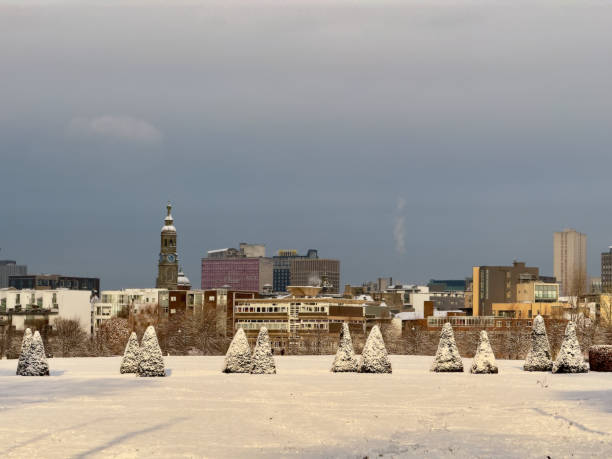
[(86, 408)]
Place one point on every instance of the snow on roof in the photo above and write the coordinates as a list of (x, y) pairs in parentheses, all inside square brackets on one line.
[(168, 228), (364, 297), (406, 316), (182, 279), (218, 250)]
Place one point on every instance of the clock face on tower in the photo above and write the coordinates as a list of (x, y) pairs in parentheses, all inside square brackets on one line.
[(171, 258)]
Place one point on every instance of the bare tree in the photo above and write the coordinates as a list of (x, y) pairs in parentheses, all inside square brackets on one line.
[(192, 333), (10, 343), (69, 339), (112, 337), (143, 315)]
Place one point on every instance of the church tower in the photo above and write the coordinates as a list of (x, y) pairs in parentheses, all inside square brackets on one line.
[(167, 268)]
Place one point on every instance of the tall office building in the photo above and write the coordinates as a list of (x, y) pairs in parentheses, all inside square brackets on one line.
[(606, 271), (321, 272), (10, 268), (570, 262), (244, 269), (282, 267)]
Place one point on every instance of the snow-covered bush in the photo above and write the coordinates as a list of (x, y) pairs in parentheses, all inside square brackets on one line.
[(238, 356), (345, 360), (484, 360), (151, 359), (600, 358), (35, 362), (131, 356), (26, 345), (374, 358), (447, 357), (262, 361), (538, 357), (570, 359)]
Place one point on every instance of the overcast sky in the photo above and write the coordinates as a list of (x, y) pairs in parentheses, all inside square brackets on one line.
[(411, 139)]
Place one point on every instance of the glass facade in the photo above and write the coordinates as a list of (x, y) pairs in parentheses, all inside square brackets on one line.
[(546, 293), (282, 267)]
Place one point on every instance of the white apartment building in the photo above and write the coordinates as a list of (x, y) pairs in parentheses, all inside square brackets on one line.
[(113, 302), (22, 308)]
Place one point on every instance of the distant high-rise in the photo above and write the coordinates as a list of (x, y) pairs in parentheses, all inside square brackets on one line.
[(570, 262), (321, 272), (10, 268), (606, 271), (243, 269), (282, 267)]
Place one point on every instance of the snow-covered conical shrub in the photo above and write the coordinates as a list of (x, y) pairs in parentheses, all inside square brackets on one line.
[(345, 360), (262, 361), (447, 357), (26, 345), (36, 361), (570, 359), (238, 356), (484, 360), (538, 357), (374, 358), (151, 359), (131, 356)]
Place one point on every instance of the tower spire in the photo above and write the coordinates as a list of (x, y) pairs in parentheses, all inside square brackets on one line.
[(169, 220)]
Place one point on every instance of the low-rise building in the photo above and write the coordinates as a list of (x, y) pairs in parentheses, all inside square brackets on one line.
[(40, 309), (222, 302), (113, 303), (533, 298), (302, 315)]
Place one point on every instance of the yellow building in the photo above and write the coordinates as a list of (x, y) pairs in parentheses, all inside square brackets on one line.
[(533, 298), (530, 309)]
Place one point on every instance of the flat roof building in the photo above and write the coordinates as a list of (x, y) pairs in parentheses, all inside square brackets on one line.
[(10, 268), (54, 281), (239, 274), (292, 321), (320, 272), (36, 309), (497, 284), (282, 267)]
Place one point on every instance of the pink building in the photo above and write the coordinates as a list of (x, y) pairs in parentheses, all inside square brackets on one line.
[(244, 274)]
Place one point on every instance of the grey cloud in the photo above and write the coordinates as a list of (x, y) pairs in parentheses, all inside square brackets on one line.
[(298, 124), (114, 128), (399, 230)]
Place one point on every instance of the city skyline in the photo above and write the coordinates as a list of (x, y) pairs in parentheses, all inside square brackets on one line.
[(344, 280), (439, 140)]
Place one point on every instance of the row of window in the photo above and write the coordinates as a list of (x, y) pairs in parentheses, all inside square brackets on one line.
[(280, 309), (269, 309), (281, 324)]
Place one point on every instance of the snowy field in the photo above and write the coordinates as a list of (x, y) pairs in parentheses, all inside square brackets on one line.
[(86, 409)]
